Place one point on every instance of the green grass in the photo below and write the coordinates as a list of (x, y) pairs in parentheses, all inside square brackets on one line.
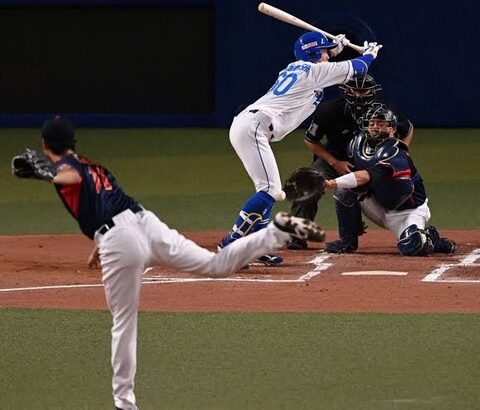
[(54, 359), (194, 181)]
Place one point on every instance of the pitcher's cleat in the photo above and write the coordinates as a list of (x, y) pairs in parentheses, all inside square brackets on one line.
[(299, 228)]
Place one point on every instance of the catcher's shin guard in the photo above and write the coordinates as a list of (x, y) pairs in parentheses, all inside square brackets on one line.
[(350, 224)]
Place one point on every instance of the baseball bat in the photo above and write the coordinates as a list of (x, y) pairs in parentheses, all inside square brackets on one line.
[(288, 18)]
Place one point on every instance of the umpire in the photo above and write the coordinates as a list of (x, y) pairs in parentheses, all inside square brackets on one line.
[(338, 121)]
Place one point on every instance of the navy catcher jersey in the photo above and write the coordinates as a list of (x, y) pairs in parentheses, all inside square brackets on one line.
[(96, 198), (394, 180)]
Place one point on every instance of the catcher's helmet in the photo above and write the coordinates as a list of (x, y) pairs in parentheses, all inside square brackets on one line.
[(379, 112), (308, 46), (360, 94)]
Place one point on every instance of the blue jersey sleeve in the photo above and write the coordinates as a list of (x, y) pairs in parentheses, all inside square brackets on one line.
[(360, 65)]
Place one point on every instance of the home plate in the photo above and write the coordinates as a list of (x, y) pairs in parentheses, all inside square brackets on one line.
[(375, 273)]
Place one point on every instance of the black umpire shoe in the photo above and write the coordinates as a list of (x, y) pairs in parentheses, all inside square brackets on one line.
[(341, 246), (297, 244)]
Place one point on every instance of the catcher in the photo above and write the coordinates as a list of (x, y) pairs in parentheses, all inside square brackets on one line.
[(129, 239), (334, 125), (388, 186)]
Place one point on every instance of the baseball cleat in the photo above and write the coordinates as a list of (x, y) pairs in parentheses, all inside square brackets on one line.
[(340, 246), (446, 246), (299, 228), (440, 245), (270, 260), (297, 244), (227, 240)]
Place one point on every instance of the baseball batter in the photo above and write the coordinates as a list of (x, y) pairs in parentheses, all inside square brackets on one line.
[(293, 98), (130, 238), (395, 196)]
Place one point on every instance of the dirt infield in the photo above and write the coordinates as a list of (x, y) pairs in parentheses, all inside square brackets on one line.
[(50, 271)]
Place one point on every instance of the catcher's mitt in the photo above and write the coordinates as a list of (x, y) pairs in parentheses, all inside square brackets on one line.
[(32, 164), (305, 185)]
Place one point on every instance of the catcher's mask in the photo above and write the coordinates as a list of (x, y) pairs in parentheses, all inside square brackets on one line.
[(379, 123), (58, 134), (360, 93)]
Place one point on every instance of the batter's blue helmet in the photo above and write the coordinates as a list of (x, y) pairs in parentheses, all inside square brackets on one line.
[(308, 46)]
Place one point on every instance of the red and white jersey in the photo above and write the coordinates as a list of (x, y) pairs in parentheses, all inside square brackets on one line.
[(297, 92)]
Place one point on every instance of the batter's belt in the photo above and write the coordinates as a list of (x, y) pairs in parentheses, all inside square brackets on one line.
[(264, 119)]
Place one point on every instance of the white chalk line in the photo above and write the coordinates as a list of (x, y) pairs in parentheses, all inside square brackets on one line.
[(375, 273), (320, 266), (159, 280), (466, 262)]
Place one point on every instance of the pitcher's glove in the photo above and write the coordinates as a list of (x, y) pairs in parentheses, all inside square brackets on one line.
[(305, 185), (32, 164)]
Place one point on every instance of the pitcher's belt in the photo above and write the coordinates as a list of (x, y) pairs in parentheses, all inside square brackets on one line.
[(110, 224)]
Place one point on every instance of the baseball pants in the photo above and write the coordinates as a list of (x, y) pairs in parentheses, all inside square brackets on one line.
[(395, 221), (250, 137), (140, 240)]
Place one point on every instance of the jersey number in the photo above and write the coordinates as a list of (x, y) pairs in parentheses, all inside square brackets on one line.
[(284, 83), (99, 179)]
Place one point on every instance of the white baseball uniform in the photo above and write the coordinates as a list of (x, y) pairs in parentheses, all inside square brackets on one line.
[(140, 240), (292, 99), (131, 239)]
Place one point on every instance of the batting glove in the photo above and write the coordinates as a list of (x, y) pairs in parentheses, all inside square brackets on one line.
[(371, 48), (341, 41)]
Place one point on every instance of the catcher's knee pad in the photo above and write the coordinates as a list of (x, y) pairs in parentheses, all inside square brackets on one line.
[(345, 197), (414, 242)]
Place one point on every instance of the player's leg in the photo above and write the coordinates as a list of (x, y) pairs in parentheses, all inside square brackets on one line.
[(350, 224), (122, 261), (403, 221), (249, 137), (409, 228), (170, 248)]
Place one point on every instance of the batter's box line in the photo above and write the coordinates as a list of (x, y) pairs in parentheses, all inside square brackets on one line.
[(319, 263), (467, 261)]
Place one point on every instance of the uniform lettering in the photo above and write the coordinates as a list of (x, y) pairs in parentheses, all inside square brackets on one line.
[(99, 178), (298, 67)]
